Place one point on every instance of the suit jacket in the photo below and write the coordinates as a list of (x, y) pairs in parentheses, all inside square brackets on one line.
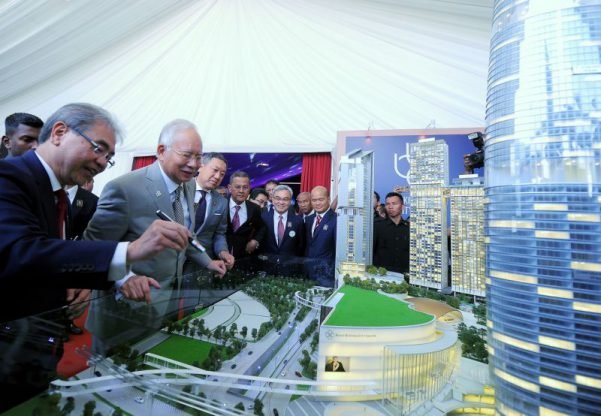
[(82, 210), (35, 265), (211, 233), (126, 208), (293, 243), (321, 248), (321, 243), (252, 229)]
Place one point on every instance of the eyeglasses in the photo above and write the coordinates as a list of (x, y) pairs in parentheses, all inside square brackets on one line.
[(98, 149), (278, 199), (197, 157)]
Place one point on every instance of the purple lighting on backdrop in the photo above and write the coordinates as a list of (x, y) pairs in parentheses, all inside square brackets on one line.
[(264, 166)]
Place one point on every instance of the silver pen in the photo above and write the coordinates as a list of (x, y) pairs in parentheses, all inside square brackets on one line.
[(193, 241)]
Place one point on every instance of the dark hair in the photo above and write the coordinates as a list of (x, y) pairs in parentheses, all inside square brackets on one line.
[(274, 181), (11, 123), (239, 174), (377, 195), (207, 157), (391, 194), (258, 191)]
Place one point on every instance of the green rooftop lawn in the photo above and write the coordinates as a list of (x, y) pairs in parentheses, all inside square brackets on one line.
[(361, 307), (183, 349)]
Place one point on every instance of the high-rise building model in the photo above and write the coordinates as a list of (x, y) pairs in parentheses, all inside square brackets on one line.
[(428, 178), (468, 253), (354, 238), (543, 216)]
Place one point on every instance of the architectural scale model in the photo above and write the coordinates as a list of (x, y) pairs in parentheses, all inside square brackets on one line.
[(543, 218), (429, 176), (354, 238), (468, 252)]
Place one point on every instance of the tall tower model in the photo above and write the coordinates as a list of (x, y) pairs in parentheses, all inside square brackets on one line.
[(467, 235), (354, 238), (428, 178), (543, 214)]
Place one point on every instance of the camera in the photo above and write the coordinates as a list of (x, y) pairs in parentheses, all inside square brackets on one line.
[(475, 160)]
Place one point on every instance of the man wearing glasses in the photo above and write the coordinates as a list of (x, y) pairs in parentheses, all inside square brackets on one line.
[(127, 206), (284, 238), (37, 263)]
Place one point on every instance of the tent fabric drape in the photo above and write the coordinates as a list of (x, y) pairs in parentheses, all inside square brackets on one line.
[(317, 170), (142, 161), (255, 76)]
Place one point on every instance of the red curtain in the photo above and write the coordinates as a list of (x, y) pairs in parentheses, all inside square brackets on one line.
[(317, 170), (142, 161)]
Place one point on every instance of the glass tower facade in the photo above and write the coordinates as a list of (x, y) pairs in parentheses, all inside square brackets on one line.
[(543, 206), (467, 235), (355, 213), (428, 178)]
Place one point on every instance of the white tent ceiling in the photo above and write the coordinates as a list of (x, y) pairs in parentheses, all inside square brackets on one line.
[(254, 75)]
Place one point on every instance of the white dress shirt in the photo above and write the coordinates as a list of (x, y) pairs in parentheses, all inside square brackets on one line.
[(242, 212), (276, 220)]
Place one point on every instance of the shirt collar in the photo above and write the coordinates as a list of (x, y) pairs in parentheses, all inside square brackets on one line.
[(323, 214), (56, 185), (171, 186), (233, 204)]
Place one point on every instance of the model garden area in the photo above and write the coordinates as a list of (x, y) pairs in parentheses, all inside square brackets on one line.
[(259, 331)]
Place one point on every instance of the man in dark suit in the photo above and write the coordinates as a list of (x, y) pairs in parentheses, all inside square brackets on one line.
[(21, 133), (284, 239), (305, 209), (335, 365), (83, 205), (245, 228), (320, 229), (37, 264), (270, 185)]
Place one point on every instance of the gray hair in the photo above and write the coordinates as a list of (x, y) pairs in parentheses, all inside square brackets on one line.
[(169, 130), (81, 116), (283, 188), (207, 157)]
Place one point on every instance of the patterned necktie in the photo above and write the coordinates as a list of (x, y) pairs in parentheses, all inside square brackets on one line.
[(317, 221), (62, 203), (201, 210), (178, 209), (280, 231), (236, 218)]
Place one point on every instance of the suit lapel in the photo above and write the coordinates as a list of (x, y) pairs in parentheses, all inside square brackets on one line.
[(155, 185), (47, 203)]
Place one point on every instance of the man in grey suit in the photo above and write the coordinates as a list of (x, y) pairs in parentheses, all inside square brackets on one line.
[(126, 207), (211, 212)]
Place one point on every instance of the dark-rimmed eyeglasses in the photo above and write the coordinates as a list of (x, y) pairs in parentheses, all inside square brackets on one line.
[(98, 149)]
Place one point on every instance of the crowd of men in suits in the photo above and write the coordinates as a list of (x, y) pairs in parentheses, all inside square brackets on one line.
[(58, 246)]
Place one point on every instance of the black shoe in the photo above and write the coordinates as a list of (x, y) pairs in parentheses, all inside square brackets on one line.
[(74, 329)]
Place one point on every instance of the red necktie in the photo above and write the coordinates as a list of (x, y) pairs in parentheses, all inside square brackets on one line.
[(317, 221), (62, 203), (280, 231), (236, 219)]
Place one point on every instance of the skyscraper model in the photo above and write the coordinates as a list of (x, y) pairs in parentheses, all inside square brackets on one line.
[(355, 219), (468, 252), (428, 178), (543, 217)]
